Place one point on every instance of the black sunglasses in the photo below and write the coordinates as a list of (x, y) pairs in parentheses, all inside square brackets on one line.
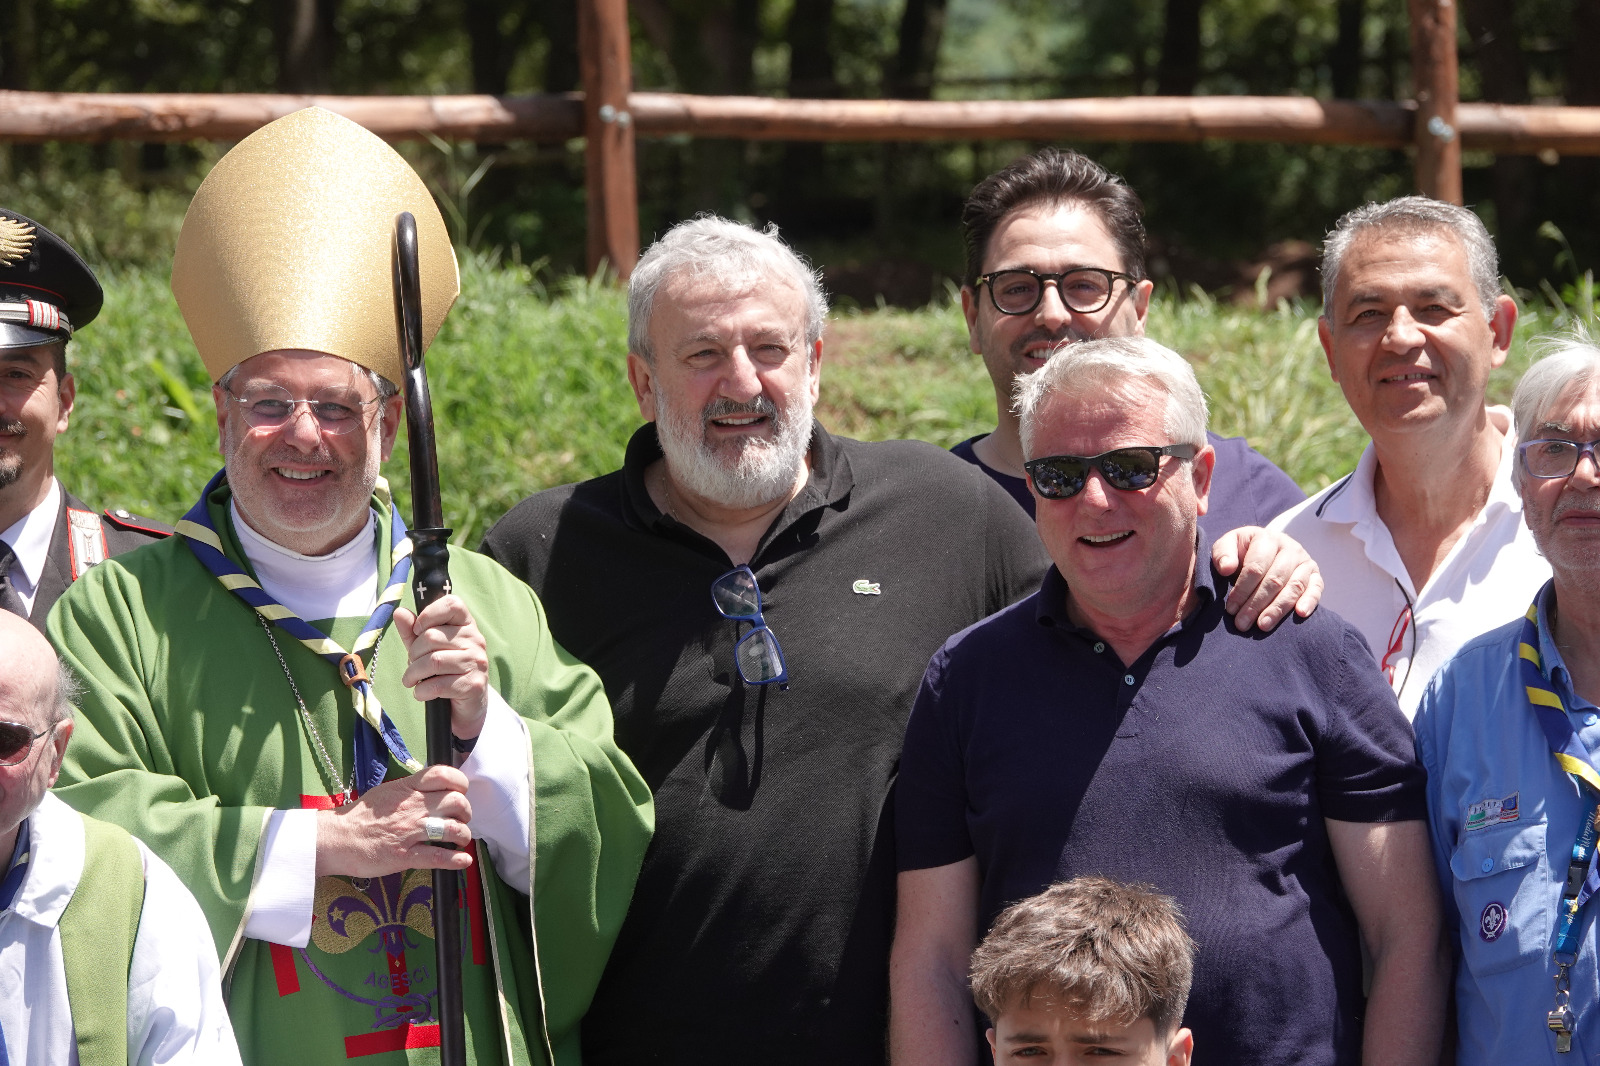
[(757, 655), (1061, 477), (16, 740)]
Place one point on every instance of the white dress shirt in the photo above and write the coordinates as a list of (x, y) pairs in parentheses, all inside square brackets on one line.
[(1488, 578), (344, 583), (29, 538), (176, 1014)]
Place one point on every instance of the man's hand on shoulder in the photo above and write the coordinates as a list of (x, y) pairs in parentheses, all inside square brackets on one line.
[(383, 832), (448, 659), (1272, 575)]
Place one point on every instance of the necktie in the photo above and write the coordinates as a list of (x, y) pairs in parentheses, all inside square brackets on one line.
[(9, 600)]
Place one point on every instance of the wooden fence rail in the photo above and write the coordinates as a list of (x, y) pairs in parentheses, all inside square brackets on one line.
[(610, 117), (1502, 128)]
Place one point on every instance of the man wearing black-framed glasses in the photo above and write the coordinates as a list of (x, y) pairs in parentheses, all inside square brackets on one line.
[(1055, 254), (1118, 723), (108, 956)]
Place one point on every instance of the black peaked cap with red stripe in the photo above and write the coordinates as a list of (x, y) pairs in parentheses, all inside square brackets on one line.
[(37, 265)]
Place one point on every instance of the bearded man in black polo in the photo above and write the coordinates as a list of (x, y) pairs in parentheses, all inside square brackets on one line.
[(760, 598)]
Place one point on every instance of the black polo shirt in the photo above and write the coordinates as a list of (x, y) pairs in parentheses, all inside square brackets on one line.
[(1206, 768), (760, 926)]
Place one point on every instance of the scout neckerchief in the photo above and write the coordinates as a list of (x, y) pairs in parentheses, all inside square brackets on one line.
[(1583, 871), (372, 724), (18, 872)]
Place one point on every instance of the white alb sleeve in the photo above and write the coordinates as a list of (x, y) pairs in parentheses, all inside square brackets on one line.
[(498, 784), (286, 884), (176, 1014)]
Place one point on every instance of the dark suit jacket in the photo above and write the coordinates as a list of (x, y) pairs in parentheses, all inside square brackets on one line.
[(124, 532)]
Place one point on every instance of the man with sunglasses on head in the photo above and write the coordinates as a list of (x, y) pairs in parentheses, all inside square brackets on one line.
[(1509, 731), (760, 598), (48, 537), (254, 687), (1055, 254), (1423, 546), (104, 955), (1118, 723)]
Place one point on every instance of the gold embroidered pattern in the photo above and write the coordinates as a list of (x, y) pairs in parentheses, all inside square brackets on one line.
[(16, 238), (348, 910)]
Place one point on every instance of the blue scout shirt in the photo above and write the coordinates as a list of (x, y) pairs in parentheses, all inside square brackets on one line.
[(1503, 817), (1206, 769)]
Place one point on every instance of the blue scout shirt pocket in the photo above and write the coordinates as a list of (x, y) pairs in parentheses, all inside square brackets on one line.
[(1502, 891)]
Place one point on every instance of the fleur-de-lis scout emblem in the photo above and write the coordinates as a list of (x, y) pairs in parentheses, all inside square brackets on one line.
[(16, 238), (863, 587)]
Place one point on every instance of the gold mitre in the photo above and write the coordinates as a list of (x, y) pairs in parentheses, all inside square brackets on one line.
[(288, 241)]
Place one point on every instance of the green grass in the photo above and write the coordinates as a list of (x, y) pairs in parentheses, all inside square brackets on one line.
[(530, 388)]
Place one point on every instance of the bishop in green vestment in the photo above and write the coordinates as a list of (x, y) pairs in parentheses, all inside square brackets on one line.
[(254, 685)]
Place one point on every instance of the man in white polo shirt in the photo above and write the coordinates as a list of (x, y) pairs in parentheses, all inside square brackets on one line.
[(1423, 546)]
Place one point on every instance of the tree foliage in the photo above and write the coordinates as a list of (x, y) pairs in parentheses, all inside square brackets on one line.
[(859, 205)]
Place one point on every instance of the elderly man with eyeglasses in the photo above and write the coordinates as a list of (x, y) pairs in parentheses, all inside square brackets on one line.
[(1509, 731), (104, 955), (760, 598), (1423, 545), (1119, 723), (254, 687)]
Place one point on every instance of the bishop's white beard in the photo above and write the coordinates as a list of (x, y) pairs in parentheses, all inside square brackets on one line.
[(741, 474)]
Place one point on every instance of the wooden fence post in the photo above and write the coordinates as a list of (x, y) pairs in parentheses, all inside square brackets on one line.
[(606, 67), (1437, 87)]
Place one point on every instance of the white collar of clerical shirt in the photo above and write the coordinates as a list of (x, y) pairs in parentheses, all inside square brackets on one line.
[(341, 584), (55, 863), (30, 540)]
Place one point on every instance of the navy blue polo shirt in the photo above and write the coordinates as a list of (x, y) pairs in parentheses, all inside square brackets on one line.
[(1205, 768)]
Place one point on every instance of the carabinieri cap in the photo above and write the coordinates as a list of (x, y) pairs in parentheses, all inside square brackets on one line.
[(46, 290), (288, 245)]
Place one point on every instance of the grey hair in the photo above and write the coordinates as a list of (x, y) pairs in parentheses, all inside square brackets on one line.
[(69, 691), (1409, 216), (1105, 362), (1566, 360), (708, 245), (384, 387)]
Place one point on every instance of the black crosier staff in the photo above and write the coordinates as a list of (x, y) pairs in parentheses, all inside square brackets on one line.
[(430, 577)]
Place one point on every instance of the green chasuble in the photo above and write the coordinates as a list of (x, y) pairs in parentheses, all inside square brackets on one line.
[(189, 735)]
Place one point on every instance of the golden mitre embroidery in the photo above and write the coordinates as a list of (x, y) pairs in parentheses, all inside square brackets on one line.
[(16, 238)]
